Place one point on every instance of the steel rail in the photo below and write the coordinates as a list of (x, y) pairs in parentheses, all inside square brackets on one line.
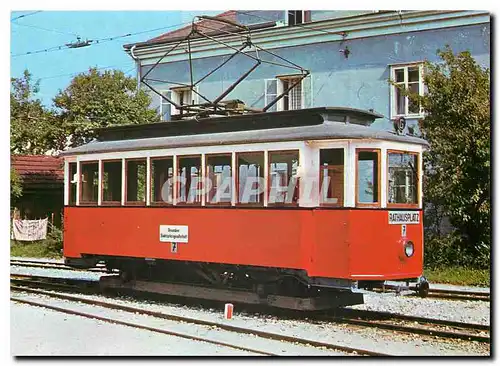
[(429, 326), (227, 327), (140, 326)]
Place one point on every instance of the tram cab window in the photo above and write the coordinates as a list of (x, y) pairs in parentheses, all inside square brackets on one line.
[(190, 180), (219, 179), (368, 177), (402, 178), (72, 183), (89, 182), (136, 181), (251, 178), (283, 179), (162, 180), (331, 176), (112, 181)]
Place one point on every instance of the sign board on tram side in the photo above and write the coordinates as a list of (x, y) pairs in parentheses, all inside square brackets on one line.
[(174, 233), (404, 217)]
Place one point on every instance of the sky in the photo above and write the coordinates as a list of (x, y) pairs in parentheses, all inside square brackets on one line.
[(56, 69)]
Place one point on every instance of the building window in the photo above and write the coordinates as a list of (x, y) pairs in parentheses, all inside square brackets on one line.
[(368, 177), (89, 182), (409, 77), (283, 179), (190, 180), (220, 178), (250, 176), (162, 180), (112, 182), (298, 16), (332, 177), (402, 178), (299, 97), (73, 180), (183, 96), (136, 182), (165, 106)]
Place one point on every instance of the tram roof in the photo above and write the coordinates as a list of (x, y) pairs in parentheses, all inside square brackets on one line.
[(307, 124)]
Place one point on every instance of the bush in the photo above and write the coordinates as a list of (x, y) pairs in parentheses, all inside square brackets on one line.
[(450, 251)]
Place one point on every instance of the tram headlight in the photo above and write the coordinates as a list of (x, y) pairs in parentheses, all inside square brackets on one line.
[(409, 248)]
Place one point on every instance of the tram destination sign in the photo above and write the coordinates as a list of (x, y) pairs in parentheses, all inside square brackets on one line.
[(404, 217), (174, 233)]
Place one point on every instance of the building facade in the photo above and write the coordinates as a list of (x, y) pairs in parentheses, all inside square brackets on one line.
[(351, 56)]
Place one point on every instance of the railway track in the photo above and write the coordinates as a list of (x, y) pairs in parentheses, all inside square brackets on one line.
[(56, 265), (364, 318), (177, 318), (459, 295), (412, 324)]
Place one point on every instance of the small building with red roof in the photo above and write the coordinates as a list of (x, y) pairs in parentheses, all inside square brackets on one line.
[(43, 186)]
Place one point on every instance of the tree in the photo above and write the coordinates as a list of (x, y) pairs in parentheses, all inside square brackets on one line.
[(16, 187), (457, 165), (96, 100), (34, 128)]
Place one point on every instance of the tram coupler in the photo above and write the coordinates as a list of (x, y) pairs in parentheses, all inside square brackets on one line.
[(422, 286)]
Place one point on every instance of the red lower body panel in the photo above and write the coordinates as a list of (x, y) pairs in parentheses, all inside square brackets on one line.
[(353, 244)]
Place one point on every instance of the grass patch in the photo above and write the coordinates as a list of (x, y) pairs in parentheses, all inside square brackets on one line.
[(38, 249), (459, 276)]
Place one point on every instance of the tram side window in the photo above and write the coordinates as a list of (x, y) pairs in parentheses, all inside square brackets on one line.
[(112, 181), (368, 178), (283, 179), (136, 181), (219, 174), (190, 180), (89, 182), (402, 178), (251, 178), (162, 180), (332, 176), (72, 183)]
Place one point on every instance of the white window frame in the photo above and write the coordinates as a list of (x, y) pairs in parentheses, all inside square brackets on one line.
[(176, 97), (303, 16), (281, 89), (405, 67), (164, 103)]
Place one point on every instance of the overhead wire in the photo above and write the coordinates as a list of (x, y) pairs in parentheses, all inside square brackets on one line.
[(95, 41), (26, 15)]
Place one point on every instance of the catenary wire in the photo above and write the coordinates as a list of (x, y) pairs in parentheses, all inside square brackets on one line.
[(26, 15)]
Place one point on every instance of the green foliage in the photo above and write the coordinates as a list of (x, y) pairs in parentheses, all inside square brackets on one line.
[(33, 127), (16, 186), (457, 166), (459, 276), (51, 247), (96, 100)]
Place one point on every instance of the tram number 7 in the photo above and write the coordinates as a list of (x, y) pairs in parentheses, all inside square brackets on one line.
[(173, 247)]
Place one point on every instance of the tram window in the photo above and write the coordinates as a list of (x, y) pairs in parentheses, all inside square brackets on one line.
[(332, 176), (190, 182), (112, 181), (219, 174), (251, 178), (368, 177), (136, 181), (402, 178), (89, 182), (162, 180), (283, 179), (72, 183)]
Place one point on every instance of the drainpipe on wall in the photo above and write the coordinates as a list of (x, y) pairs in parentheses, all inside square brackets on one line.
[(138, 64)]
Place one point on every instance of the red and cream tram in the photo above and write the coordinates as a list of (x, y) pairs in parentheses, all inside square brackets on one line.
[(307, 204)]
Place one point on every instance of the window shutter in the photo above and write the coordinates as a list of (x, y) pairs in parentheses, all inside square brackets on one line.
[(307, 92), (270, 93)]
